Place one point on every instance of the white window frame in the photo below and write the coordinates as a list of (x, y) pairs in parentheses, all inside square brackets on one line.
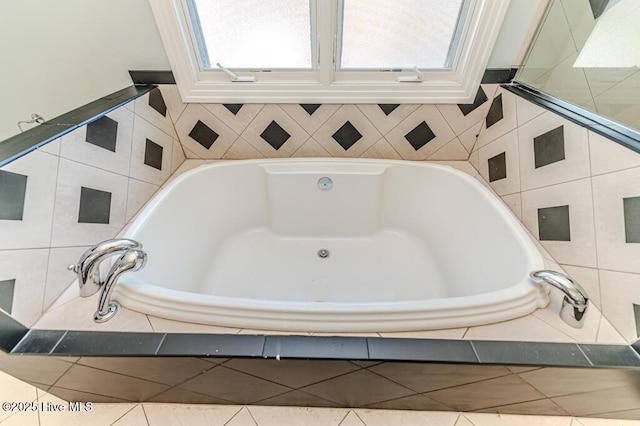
[(457, 85)]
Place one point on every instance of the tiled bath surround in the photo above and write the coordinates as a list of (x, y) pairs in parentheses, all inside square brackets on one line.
[(82, 188), (576, 192)]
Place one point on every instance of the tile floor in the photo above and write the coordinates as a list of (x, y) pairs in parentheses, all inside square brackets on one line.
[(124, 414)]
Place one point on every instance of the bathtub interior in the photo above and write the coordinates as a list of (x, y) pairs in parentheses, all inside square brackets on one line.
[(394, 231)]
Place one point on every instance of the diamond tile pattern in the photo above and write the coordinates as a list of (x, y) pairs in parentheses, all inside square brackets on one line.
[(233, 108), (202, 134), (275, 135), (156, 101), (153, 154), (420, 136), (497, 167), (632, 219), (13, 188), (495, 111), (347, 135), (480, 98), (103, 133), (553, 224), (310, 108), (95, 206), (6, 295), (548, 148), (388, 108)]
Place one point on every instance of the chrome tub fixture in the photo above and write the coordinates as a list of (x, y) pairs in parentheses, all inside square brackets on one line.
[(575, 302)]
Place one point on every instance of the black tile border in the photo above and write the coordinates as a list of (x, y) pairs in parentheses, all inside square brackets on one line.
[(498, 75), (491, 352), (144, 77), (32, 139), (625, 136)]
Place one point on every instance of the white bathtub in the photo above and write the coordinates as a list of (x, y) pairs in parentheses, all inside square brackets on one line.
[(412, 246)]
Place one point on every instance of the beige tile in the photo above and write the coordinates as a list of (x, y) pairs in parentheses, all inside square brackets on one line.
[(285, 416), (384, 123), (144, 110), (514, 202), (71, 293), (177, 155), (183, 414), (138, 195), (311, 148), (463, 421), (381, 149), (191, 115), (507, 144), (237, 122), (28, 268), (78, 315), (459, 122), (451, 333), (565, 81), (582, 421), (608, 335), (352, 419), (52, 147), (609, 190), (407, 417), (619, 292), (501, 127), (101, 414), (162, 325), (268, 114), (469, 137), (581, 250), (14, 390), (310, 123), (576, 150), (172, 99), (428, 114), (189, 154), (515, 420), (23, 418), (34, 230), (242, 418), (143, 131), (135, 417), (351, 113), (474, 160), (540, 407), (451, 151), (187, 165), (536, 331), (241, 150), (526, 110), (58, 276), (609, 156)]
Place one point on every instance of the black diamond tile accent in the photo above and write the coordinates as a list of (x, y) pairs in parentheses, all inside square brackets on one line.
[(108, 344), (156, 101), (632, 219), (202, 134), (420, 350), (316, 347), (598, 7), (480, 98), (13, 188), (11, 331), (553, 224), (420, 136), (212, 345), (611, 355), (153, 154), (347, 135), (275, 135), (548, 148), (95, 206), (310, 108), (6, 294), (39, 341), (233, 108), (388, 108), (103, 133), (495, 111), (529, 353), (497, 167)]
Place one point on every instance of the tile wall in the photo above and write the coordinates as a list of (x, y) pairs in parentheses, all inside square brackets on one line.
[(574, 190), (74, 192)]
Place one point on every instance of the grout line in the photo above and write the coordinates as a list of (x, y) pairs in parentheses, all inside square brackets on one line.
[(232, 417), (159, 344), (58, 342), (344, 417), (475, 352), (584, 354), (251, 414), (124, 415)]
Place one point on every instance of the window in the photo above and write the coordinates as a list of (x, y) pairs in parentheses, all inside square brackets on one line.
[(328, 50)]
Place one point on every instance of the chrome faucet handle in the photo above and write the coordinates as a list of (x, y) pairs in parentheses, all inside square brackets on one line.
[(131, 260), (88, 267), (575, 302)]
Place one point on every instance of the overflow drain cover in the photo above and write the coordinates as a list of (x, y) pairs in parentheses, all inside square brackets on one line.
[(323, 253), (325, 183)]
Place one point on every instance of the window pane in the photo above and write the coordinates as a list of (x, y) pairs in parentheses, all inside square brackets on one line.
[(259, 34), (380, 34)]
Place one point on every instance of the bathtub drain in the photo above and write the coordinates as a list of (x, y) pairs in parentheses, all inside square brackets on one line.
[(323, 253)]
